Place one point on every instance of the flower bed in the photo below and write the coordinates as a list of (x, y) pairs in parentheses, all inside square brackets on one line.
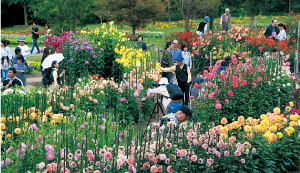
[(27, 39)]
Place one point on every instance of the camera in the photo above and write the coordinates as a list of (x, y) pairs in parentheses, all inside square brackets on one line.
[(155, 84)]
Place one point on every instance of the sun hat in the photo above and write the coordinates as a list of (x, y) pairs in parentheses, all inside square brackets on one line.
[(206, 18), (186, 110), (227, 9), (179, 58), (21, 39), (3, 54), (163, 81), (175, 42)]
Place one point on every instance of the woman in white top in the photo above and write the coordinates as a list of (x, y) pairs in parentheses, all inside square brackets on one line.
[(282, 34), (187, 59), (48, 30), (6, 48)]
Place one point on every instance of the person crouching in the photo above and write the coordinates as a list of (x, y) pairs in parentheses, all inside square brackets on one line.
[(180, 116)]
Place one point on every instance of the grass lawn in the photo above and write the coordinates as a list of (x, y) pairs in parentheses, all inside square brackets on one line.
[(35, 58)]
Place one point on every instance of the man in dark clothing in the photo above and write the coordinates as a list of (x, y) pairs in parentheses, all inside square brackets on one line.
[(141, 44), (167, 62), (183, 75), (12, 80), (35, 36), (202, 27), (272, 30)]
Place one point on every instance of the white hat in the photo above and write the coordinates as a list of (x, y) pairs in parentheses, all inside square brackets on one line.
[(175, 42), (227, 9), (163, 81)]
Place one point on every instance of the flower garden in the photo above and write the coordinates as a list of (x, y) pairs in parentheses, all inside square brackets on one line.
[(244, 121)]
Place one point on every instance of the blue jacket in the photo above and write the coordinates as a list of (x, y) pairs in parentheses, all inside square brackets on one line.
[(175, 53), (269, 29)]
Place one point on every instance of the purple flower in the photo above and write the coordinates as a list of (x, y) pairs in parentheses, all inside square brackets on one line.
[(50, 156), (94, 56), (92, 52), (9, 150), (89, 48), (82, 48), (101, 49), (87, 63), (122, 99), (102, 127)]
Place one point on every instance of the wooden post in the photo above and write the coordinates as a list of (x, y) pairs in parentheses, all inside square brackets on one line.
[(148, 37), (158, 57), (256, 32), (163, 36), (210, 58)]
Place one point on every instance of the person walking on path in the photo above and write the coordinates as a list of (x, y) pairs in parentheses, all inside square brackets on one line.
[(12, 80), (282, 34), (22, 69), (272, 30), (183, 75), (202, 27), (225, 21), (35, 36), (187, 58), (24, 48), (168, 62), (141, 44)]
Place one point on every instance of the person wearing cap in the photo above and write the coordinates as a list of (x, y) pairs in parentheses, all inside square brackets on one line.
[(12, 80), (162, 90), (225, 20), (4, 65), (183, 75), (202, 27), (272, 30), (175, 51), (24, 48), (180, 116)]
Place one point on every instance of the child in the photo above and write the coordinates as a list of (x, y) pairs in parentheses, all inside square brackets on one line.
[(4, 65)]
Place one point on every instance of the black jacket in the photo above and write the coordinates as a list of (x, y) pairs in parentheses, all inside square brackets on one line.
[(269, 29), (16, 82)]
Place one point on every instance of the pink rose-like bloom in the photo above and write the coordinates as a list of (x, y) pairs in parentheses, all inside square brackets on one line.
[(160, 169), (49, 148), (122, 99), (226, 153), (243, 161), (226, 101), (237, 153), (235, 84), (107, 155), (170, 169), (254, 150), (89, 153), (87, 63), (130, 160), (259, 79), (196, 85), (254, 85), (194, 158), (153, 169), (191, 98), (50, 156), (135, 94), (244, 82), (244, 54), (218, 106)]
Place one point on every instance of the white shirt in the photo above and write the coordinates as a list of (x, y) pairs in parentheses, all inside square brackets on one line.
[(7, 50), (24, 50), (163, 91), (282, 35)]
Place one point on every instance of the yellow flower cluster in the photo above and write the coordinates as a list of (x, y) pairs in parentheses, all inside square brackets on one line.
[(271, 125), (130, 57)]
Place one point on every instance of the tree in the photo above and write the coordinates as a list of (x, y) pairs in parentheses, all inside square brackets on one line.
[(135, 13), (189, 8), (25, 4), (253, 7), (62, 15)]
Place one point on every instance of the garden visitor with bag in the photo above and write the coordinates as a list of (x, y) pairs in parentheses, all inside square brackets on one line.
[(166, 62), (272, 30), (202, 27), (183, 75), (35, 37), (21, 68), (225, 21), (54, 77)]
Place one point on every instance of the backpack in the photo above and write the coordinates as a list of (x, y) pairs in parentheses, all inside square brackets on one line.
[(175, 92), (163, 62)]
